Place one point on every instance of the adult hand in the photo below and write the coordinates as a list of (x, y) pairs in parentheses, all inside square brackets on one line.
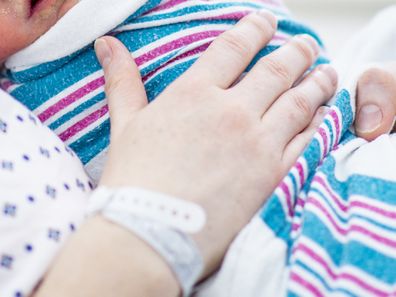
[(204, 139), (376, 101)]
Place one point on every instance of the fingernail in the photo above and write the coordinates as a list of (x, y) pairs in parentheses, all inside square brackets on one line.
[(308, 39), (270, 17), (330, 72), (369, 118), (103, 52)]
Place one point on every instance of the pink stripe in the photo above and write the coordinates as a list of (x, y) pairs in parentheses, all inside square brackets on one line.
[(77, 127), (295, 226), (285, 190), (167, 5), (322, 133), (343, 275), (195, 51), (300, 170), (300, 202), (302, 282), (87, 121), (175, 44), (73, 97), (173, 3), (99, 82), (356, 204), (229, 16), (336, 124), (5, 85), (351, 228)]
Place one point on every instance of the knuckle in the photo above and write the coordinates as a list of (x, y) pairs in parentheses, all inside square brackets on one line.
[(261, 25), (277, 69), (324, 84), (235, 42), (376, 76), (304, 50), (301, 103)]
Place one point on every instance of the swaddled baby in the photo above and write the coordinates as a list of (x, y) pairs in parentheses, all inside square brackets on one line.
[(327, 228), (60, 80)]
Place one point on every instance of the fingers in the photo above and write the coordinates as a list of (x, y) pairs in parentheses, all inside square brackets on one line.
[(376, 103), (124, 88), (277, 72), (300, 142), (294, 110), (229, 55)]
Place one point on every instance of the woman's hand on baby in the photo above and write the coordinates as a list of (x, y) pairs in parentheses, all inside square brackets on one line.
[(376, 101), (207, 139)]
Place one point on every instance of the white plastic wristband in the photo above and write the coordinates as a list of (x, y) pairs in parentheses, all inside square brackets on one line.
[(162, 221), (185, 216)]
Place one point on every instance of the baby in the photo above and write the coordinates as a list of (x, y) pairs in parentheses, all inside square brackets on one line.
[(314, 236), (59, 79)]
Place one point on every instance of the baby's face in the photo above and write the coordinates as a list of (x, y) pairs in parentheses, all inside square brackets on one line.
[(23, 21)]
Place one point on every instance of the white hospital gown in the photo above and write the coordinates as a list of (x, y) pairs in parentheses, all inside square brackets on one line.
[(43, 195)]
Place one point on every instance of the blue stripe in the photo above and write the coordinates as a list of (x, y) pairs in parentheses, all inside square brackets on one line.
[(329, 289), (94, 142), (79, 109), (351, 253), (350, 217)]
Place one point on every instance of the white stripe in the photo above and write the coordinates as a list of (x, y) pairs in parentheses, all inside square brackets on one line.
[(282, 196), (87, 129), (73, 106), (391, 222), (66, 92), (86, 80), (309, 278), (67, 125), (354, 235), (182, 18), (188, 4), (340, 283), (189, 58)]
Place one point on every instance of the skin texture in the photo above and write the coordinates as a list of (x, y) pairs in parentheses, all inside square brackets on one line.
[(376, 93), (19, 27), (204, 139)]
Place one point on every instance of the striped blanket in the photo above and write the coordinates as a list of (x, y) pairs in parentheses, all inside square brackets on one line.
[(328, 230)]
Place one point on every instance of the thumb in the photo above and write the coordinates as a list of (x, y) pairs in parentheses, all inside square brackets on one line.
[(124, 87), (376, 103)]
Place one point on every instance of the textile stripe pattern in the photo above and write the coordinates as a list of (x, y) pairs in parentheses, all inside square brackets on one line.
[(165, 39)]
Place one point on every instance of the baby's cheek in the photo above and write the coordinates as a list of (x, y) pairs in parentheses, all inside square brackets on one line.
[(13, 37)]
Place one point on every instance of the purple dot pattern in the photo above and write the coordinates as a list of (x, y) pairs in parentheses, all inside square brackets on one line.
[(43, 194)]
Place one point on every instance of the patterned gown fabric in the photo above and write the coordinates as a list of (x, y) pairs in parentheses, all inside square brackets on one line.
[(43, 195)]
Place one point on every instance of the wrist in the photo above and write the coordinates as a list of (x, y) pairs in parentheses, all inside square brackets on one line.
[(154, 277), (104, 259), (164, 222)]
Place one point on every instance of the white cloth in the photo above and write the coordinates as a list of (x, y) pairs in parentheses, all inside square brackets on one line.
[(100, 16), (43, 195)]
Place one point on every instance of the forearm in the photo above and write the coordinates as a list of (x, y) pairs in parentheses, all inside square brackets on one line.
[(103, 259)]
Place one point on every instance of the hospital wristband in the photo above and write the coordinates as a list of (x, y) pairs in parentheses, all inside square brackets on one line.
[(160, 220)]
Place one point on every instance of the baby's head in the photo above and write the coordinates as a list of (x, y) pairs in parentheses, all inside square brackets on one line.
[(23, 21)]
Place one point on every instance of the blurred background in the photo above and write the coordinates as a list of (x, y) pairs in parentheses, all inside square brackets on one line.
[(336, 20)]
